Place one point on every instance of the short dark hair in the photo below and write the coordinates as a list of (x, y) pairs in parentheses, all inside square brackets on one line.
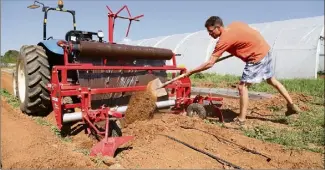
[(213, 21)]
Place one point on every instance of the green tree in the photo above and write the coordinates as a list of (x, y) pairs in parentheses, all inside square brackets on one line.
[(10, 56)]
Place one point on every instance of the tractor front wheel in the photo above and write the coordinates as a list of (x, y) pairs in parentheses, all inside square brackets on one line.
[(32, 76)]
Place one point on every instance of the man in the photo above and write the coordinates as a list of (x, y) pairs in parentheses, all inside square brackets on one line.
[(241, 41)]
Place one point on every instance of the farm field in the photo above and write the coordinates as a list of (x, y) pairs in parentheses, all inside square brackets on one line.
[(296, 142)]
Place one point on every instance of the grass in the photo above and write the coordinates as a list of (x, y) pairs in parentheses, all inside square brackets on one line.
[(12, 100), (313, 87), (307, 132), (54, 129)]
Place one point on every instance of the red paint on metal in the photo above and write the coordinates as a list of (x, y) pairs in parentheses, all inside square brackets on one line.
[(111, 21), (108, 146), (60, 87)]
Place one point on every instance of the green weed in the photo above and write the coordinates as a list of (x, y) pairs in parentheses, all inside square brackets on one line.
[(54, 129), (307, 132), (313, 87), (10, 99)]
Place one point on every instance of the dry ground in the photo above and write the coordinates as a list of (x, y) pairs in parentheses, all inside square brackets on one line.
[(31, 143)]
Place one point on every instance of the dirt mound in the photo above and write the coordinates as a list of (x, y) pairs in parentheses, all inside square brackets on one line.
[(141, 107)]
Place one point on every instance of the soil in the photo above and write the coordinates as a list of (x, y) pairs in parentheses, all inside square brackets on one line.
[(142, 106), (6, 82), (151, 150), (25, 143)]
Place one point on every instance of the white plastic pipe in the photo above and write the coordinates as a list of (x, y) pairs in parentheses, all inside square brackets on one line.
[(71, 117), (76, 116)]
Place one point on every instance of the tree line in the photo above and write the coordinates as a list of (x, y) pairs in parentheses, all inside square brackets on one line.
[(9, 57)]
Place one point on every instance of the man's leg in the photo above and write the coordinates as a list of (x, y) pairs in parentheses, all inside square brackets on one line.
[(269, 76), (243, 93), (249, 76), (281, 89), (252, 73), (292, 108)]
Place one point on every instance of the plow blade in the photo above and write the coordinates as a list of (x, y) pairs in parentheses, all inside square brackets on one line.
[(107, 147)]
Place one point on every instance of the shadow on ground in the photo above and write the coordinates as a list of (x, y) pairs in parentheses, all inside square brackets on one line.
[(229, 115)]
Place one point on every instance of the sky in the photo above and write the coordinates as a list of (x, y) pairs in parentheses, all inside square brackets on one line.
[(22, 26)]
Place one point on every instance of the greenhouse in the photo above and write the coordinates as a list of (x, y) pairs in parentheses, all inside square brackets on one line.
[(297, 48)]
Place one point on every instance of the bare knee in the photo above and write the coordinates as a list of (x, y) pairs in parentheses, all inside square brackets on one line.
[(272, 81), (242, 87)]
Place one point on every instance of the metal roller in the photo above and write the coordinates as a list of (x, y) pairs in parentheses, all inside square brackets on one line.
[(77, 116), (121, 51)]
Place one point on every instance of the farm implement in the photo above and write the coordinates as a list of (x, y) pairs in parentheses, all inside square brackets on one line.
[(88, 80)]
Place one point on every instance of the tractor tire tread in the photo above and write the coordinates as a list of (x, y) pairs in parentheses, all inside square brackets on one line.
[(37, 101), (36, 81), (33, 70), (31, 58), (35, 93)]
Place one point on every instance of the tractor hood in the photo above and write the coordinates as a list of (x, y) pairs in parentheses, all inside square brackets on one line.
[(51, 45)]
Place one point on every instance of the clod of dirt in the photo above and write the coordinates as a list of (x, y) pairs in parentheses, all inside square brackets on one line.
[(141, 107), (116, 166)]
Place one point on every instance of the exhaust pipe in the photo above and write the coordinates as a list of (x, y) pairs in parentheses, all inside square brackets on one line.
[(77, 116)]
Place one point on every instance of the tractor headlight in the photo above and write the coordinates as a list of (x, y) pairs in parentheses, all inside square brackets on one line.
[(73, 38), (100, 34)]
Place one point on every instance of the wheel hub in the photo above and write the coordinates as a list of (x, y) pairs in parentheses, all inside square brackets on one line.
[(21, 82), (14, 85)]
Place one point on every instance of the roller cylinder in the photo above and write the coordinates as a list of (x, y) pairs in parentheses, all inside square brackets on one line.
[(121, 51), (71, 117), (77, 116)]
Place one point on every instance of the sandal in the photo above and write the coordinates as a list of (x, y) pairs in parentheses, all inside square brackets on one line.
[(239, 122), (235, 124)]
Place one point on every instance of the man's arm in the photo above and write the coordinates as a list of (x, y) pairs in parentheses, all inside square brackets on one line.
[(220, 48), (206, 65)]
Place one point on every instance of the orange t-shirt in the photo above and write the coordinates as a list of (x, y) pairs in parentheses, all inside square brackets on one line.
[(242, 41)]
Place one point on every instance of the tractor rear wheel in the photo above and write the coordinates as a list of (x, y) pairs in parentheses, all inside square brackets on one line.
[(32, 76), (14, 85)]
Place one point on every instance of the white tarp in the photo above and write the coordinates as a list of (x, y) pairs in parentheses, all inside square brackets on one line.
[(296, 48)]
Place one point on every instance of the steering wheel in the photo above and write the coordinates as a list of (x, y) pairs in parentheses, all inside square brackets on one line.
[(49, 38), (71, 33), (80, 35)]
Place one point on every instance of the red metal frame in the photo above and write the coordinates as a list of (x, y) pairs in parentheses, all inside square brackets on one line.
[(111, 21), (180, 89)]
